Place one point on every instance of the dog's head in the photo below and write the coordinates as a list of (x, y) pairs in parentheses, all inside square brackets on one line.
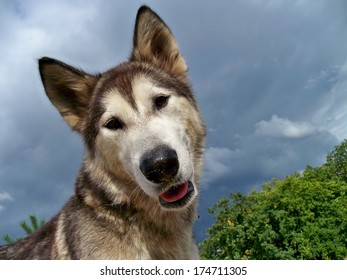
[(139, 120)]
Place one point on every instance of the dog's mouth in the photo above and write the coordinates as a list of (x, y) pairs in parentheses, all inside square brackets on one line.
[(177, 196)]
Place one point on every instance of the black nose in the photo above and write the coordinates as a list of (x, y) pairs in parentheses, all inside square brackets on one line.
[(160, 164)]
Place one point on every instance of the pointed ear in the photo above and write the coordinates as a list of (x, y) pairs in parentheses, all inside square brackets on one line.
[(68, 89), (154, 43)]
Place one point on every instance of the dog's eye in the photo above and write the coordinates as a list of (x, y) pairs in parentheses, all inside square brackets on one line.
[(161, 101), (114, 124)]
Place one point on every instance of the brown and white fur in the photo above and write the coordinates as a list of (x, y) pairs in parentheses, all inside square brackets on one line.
[(136, 192)]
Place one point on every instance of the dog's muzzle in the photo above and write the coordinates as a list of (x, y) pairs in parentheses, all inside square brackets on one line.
[(160, 166)]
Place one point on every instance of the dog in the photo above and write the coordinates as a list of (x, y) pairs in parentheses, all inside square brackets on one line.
[(136, 193)]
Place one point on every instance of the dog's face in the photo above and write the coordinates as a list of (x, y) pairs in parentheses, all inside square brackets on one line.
[(145, 127), (139, 120)]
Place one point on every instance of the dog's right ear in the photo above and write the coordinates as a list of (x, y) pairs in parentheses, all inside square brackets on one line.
[(69, 90), (155, 43)]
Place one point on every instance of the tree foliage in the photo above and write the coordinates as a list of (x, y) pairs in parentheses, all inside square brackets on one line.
[(337, 161), (303, 216), (28, 228)]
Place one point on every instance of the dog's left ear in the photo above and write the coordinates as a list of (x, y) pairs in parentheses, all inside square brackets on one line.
[(69, 89), (155, 43)]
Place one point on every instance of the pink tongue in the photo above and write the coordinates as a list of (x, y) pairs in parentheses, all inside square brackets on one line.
[(175, 193)]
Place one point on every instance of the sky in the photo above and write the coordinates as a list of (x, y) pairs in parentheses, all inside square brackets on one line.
[(270, 78)]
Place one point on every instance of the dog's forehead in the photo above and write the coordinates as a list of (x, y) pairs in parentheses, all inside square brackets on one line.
[(118, 80), (138, 100), (132, 85)]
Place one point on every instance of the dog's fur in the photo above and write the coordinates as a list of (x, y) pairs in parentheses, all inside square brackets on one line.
[(136, 193)]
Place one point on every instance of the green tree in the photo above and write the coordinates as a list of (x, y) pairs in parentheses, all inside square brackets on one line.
[(28, 228), (337, 161), (303, 216)]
